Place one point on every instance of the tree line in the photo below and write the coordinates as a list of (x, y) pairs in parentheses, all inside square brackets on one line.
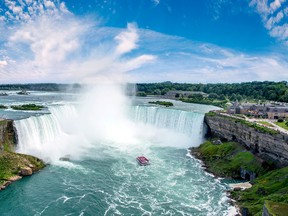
[(267, 90)]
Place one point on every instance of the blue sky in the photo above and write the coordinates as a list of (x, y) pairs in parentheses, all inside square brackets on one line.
[(143, 40)]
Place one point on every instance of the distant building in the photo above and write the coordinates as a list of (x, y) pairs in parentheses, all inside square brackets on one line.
[(277, 112), (271, 111)]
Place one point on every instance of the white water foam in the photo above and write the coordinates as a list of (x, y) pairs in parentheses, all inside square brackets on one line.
[(73, 131)]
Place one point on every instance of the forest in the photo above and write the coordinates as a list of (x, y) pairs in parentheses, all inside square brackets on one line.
[(267, 90)]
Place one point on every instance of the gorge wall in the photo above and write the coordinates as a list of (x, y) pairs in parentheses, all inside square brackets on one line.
[(7, 135), (270, 145)]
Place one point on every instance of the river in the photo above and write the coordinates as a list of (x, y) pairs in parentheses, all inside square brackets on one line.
[(100, 143)]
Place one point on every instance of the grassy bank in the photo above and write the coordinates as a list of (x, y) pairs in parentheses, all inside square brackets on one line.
[(282, 124), (226, 159), (12, 163), (271, 188)]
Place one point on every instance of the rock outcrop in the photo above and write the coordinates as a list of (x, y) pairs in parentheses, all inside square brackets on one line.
[(7, 134), (14, 165), (271, 147), (26, 171)]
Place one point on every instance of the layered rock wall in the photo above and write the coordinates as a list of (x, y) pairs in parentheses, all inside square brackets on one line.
[(7, 134), (271, 147)]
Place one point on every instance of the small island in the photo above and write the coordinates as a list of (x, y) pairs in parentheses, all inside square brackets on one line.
[(162, 103), (3, 106), (23, 92), (33, 107)]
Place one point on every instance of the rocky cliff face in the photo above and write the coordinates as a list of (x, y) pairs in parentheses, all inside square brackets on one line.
[(7, 135), (269, 147)]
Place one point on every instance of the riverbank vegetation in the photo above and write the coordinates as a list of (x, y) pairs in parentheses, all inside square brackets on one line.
[(203, 100), (227, 159), (271, 187)]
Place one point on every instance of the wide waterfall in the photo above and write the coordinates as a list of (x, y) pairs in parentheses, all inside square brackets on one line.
[(52, 136)]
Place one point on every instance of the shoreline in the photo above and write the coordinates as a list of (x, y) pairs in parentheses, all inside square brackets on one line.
[(19, 166), (239, 186), (232, 186), (14, 166)]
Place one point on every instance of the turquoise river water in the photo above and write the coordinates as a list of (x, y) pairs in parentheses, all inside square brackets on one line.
[(102, 176)]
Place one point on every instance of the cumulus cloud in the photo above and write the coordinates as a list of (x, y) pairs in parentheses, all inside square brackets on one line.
[(66, 48), (274, 16), (49, 40), (24, 10)]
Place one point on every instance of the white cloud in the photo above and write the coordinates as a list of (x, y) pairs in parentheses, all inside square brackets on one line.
[(273, 16), (23, 10), (276, 5), (63, 8), (49, 40), (186, 61), (127, 40), (280, 32), (17, 10), (3, 63), (49, 4), (67, 48)]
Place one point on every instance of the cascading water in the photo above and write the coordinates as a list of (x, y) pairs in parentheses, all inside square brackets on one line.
[(47, 136), (181, 121), (54, 135)]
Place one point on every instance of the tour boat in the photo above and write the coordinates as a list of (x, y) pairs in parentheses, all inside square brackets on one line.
[(143, 161)]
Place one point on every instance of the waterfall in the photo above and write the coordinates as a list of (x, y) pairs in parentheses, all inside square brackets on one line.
[(64, 132), (38, 134), (181, 121)]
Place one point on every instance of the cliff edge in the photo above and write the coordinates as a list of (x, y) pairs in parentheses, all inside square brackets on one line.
[(269, 192), (14, 165), (268, 144)]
